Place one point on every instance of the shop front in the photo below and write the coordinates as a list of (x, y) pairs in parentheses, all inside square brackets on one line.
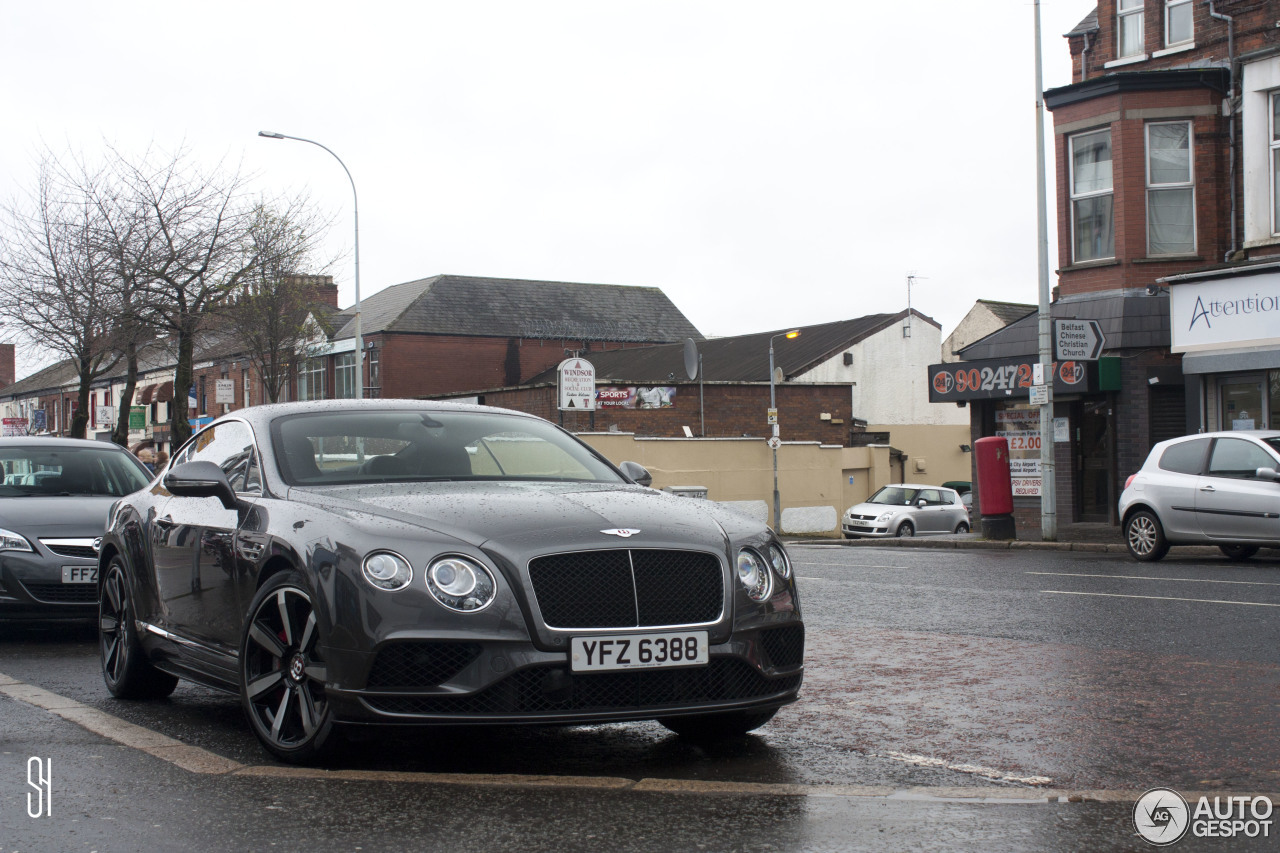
[(1227, 326), (1084, 428)]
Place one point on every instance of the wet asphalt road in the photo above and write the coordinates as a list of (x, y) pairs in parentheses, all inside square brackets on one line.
[(1032, 671)]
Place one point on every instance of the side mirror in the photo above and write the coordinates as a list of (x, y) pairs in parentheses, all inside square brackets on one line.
[(200, 480), (636, 473), (1268, 474), (922, 503)]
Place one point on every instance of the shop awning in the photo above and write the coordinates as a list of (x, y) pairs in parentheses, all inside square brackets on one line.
[(146, 395), (164, 392)]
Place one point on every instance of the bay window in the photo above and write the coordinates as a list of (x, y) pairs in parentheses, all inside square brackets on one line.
[(1092, 196), (1171, 218)]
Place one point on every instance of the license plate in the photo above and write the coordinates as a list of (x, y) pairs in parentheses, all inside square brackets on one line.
[(79, 574), (638, 651)]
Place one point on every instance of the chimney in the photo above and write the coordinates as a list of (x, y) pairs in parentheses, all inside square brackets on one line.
[(320, 288), (8, 365)]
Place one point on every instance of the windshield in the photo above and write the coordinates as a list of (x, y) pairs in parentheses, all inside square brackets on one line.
[(894, 495), (363, 446), (36, 470)]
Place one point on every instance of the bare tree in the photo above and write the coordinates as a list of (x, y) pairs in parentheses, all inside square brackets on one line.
[(274, 312), (204, 239), (58, 288)]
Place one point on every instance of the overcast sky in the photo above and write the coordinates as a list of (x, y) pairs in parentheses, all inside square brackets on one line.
[(765, 164)]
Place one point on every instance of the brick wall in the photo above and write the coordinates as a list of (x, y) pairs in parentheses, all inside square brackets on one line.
[(8, 365), (730, 410)]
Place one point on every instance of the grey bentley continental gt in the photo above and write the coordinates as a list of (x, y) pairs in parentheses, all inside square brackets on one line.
[(400, 562)]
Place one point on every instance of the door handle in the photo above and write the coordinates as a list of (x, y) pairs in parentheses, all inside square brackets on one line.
[(1208, 489)]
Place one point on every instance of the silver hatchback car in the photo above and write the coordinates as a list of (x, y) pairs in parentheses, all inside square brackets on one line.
[(906, 510), (1214, 488)]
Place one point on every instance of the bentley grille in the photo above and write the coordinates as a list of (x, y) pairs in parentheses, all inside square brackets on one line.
[(627, 588)]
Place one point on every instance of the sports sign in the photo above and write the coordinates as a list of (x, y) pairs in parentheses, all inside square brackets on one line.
[(1005, 378)]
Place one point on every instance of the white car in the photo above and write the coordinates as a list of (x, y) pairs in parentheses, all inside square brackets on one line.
[(906, 509)]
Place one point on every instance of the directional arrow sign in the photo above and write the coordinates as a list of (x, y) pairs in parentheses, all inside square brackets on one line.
[(1077, 340)]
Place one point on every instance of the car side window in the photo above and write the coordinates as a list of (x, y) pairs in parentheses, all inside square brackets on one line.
[(229, 445), (1237, 458), (1186, 457), (930, 496)]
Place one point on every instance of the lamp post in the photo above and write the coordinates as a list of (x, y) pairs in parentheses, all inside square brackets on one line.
[(775, 440), (356, 205)]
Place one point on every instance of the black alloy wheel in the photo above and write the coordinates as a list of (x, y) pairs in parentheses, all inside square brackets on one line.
[(906, 528), (1144, 535), (125, 668), (1238, 553), (707, 728), (282, 674)]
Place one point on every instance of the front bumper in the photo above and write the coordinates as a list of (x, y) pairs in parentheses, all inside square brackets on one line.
[(867, 529), (31, 587), (455, 681)]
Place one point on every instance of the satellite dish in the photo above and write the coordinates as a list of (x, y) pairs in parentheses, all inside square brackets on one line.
[(691, 358)]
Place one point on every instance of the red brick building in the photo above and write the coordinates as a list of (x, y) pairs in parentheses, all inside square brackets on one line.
[(1166, 145)]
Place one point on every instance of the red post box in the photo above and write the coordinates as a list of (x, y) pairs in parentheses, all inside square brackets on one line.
[(995, 488)]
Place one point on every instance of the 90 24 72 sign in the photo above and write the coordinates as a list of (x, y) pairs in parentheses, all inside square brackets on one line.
[(1000, 378)]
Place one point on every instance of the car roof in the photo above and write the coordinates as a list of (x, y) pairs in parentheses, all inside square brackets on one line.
[(915, 486), (55, 441), (1259, 434), (265, 414)]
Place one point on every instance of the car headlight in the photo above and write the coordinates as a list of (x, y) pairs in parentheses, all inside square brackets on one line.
[(10, 541), (387, 570), (883, 517), (461, 584), (754, 575), (778, 559)]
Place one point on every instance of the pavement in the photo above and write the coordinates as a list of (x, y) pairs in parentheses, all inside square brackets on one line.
[(1096, 537)]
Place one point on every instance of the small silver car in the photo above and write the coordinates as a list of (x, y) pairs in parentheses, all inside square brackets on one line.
[(1214, 488), (906, 509)]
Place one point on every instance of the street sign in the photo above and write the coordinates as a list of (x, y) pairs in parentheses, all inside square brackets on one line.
[(1077, 340), (774, 443), (1039, 395), (772, 416)]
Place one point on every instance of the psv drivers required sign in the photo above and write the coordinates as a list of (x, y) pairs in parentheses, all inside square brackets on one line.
[(577, 380)]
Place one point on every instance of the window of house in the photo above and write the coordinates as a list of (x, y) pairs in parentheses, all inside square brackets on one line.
[(1177, 22), (1275, 162), (311, 379), (1092, 227), (344, 375), (375, 373), (248, 388), (1171, 217), (1129, 27)]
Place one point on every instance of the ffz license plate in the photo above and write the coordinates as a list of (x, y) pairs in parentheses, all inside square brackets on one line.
[(638, 651), (79, 574)]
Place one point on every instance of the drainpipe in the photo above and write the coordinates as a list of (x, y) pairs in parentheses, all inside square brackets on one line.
[(1084, 59), (1233, 104)]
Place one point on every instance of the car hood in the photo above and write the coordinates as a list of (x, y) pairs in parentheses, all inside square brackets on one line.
[(875, 509), (51, 517), (557, 514)]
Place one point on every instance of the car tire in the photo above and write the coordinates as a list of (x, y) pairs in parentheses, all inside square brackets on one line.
[(962, 527), (1144, 536), (1238, 553), (282, 675), (707, 728), (905, 529), (125, 668)]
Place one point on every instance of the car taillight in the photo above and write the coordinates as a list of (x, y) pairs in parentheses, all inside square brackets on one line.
[(1129, 481)]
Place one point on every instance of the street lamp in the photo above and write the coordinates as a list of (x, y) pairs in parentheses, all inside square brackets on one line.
[(356, 202), (775, 440)]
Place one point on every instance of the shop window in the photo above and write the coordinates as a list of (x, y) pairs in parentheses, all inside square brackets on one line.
[(1171, 202), (311, 379), (344, 376), (1092, 197)]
